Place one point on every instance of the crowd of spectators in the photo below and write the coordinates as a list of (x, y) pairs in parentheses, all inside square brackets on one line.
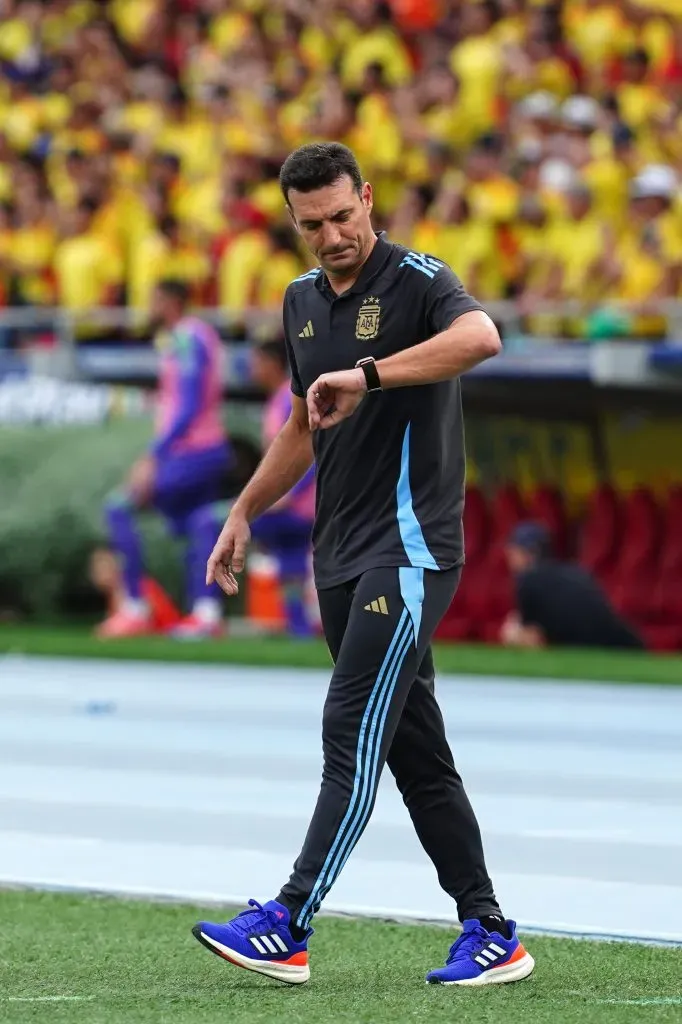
[(534, 146)]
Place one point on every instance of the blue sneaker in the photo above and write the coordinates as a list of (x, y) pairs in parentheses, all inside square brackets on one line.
[(479, 957), (259, 940)]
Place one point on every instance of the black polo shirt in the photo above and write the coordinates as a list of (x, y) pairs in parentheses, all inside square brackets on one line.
[(390, 478), (570, 607)]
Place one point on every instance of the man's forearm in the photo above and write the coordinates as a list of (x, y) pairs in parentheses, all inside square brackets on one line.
[(472, 338), (286, 461)]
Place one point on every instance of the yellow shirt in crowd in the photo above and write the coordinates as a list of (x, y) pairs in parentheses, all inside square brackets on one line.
[(576, 245), (240, 269), (279, 271), (468, 248), (32, 252), (154, 258), (645, 254), (477, 63), (86, 267), (379, 46)]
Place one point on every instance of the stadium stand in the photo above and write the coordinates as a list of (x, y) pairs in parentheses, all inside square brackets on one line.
[(533, 145)]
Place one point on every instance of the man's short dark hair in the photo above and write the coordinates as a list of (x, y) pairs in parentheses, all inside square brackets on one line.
[(168, 225), (88, 204), (638, 55), (275, 349), (532, 537), (318, 164), (171, 160), (175, 288)]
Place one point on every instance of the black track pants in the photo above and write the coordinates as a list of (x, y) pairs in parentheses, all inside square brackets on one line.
[(381, 708)]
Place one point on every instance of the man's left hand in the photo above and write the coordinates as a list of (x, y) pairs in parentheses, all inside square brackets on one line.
[(141, 479), (334, 397)]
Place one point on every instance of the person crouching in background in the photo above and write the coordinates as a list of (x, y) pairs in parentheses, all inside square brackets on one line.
[(183, 472), (558, 603)]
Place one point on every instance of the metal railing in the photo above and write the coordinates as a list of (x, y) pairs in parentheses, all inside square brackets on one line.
[(67, 329)]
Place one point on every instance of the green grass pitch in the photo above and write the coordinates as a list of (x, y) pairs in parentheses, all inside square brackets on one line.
[(131, 962), (459, 659)]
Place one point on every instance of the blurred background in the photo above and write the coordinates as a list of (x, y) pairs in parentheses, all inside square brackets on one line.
[(533, 146)]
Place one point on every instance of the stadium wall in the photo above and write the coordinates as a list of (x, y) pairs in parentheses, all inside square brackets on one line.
[(55, 478)]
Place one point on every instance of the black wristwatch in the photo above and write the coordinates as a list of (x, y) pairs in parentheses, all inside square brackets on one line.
[(369, 368)]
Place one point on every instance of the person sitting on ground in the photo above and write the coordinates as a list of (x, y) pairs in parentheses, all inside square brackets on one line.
[(106, 576), (558, 604)]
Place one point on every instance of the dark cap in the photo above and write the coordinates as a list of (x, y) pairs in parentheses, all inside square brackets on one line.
[(531, 536)]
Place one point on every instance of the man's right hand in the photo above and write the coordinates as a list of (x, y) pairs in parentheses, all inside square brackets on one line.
[(229, 554)]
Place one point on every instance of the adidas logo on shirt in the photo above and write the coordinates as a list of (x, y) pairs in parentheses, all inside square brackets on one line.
[(307, 331), (489, 954), (379, 606), (269, 944)]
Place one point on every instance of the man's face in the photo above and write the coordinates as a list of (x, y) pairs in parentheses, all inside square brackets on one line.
[(266, 371), (163, 308), (518, 558), (80, 221), (579, 205), (648, 208), (482, 164), (441, 86), (334, 222), (635, 70)]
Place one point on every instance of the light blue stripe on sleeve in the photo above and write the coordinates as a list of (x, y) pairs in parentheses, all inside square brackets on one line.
[(408, 524)]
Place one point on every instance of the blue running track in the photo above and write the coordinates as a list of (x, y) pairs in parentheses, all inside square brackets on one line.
[(169, 780)]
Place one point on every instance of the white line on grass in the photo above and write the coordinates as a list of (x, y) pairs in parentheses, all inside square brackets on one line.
[(653, 1001), (642, 1001), (49, 999)]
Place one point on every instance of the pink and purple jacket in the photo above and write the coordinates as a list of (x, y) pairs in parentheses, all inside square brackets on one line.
[(188, 415), (301, 498)]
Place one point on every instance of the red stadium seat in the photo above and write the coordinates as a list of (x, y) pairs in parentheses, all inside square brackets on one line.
[(506, 510), (491, 597), (600, 533), (662, 638), (666, 615), (633, 579), (546, 506), (476, 526), (488, 594), (673, 514), (458, 623)]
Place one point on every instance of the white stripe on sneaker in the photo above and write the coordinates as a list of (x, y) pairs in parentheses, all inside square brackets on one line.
[(259, 945), (481, 961), (278, 942), (272, 948), (491, 945), (491, 956)]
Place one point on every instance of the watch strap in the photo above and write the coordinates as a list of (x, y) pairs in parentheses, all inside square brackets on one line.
[(369, 368)]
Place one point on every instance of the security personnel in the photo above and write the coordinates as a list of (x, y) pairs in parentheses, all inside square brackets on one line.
[(377, 337)]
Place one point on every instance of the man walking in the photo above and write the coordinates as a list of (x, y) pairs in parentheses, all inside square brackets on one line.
[(377, 337)]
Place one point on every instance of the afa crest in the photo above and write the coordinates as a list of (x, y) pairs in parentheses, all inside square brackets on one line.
[(367, 324)]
